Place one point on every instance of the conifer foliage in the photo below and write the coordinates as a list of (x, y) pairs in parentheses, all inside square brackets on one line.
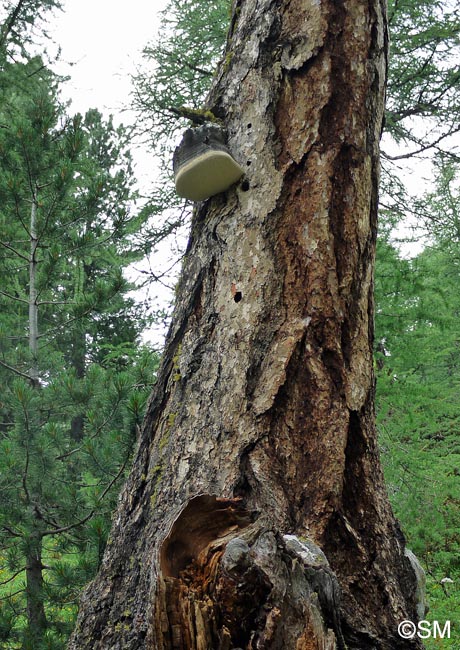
[(74, 375), (423, 86), (418, 375), (23, 23)]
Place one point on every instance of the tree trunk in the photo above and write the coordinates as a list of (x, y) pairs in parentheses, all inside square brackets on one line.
[(77, 347), (36, 616), (255, 515), (33, 306)]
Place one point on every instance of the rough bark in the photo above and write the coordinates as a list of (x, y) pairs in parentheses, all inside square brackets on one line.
[(33, 306), (35, 610), (36, 616), (261, 426)]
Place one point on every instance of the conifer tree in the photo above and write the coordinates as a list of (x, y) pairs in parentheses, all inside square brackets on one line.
[(422, 94), (423, 87), (74, 379), (418, 370), (23, 23)]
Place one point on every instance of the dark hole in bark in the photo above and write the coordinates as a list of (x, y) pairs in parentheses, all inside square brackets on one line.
[(245, 186), (204, 519), (238, 296), (248, 163), (249, 125)]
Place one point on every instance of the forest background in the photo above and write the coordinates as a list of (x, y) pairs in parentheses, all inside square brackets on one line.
[(74, 366)]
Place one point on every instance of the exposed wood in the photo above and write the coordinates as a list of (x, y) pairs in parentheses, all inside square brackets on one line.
[(266, 391)]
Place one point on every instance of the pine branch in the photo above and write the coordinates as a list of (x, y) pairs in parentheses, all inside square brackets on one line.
[(10, 248), (5, 582), (65, 529), (11, 531), (54, 302), (9, 596), (11, 297), (94, 435), (16, 371), (58, 328)]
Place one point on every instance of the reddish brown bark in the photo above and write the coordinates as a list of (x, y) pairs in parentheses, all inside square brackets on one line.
[(262, 421)]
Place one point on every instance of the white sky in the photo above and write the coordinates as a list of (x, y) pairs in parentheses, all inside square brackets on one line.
[(101, 43), (103, 39)]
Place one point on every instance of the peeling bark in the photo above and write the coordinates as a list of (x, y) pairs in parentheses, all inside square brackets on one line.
[(261, 424)]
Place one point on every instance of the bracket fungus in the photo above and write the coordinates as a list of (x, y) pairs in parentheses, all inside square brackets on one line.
[(203, 166)]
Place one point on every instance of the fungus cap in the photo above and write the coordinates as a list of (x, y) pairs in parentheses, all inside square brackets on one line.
[(203, 165)]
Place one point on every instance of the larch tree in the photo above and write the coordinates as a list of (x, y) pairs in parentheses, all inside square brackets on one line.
[(255, 515), (418, 370), (22, 24)]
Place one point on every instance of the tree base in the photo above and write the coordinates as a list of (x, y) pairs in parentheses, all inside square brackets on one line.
[(231, 583)]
